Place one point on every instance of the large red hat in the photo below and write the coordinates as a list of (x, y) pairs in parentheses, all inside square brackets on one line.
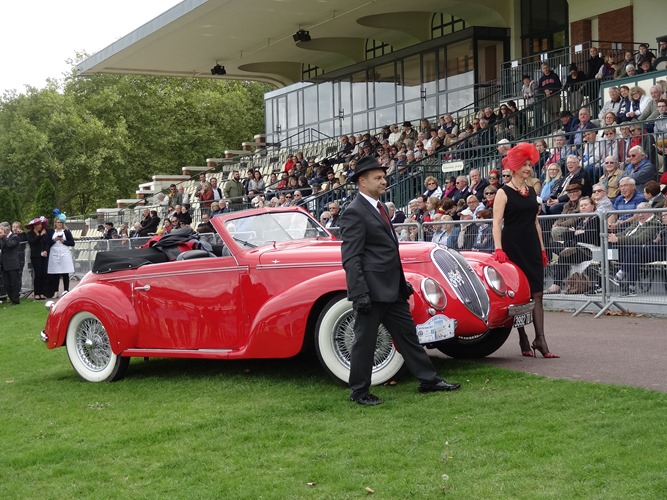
[(38, 220), (519, 154)]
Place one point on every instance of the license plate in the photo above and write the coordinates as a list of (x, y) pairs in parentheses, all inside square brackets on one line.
[(523, 319), (437, 328)]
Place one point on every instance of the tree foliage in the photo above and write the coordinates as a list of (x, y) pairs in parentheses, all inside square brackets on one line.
[(96, 138)]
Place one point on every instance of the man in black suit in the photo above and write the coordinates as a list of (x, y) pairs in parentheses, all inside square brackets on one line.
[(377, 287), (9, 260)]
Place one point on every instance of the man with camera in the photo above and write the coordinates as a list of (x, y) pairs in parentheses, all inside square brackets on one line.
[(9, 261)]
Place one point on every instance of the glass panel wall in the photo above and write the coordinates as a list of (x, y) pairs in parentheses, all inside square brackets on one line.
[(440, 77)]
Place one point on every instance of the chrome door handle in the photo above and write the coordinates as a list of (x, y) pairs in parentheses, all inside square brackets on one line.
[(144, 288)]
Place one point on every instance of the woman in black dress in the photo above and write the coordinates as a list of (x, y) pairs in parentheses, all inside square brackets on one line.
[(39, 252), (518, 238)]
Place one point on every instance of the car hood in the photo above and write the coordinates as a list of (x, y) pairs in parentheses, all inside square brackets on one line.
[(328, 251)]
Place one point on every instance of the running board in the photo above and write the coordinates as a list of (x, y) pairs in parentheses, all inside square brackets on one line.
[(181, 353)]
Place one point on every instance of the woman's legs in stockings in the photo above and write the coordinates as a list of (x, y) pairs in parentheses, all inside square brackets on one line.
[(540, 342)]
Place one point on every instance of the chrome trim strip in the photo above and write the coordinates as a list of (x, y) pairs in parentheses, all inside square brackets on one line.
[(514, 310)]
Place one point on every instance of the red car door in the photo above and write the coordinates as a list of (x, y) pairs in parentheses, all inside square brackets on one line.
[(191, 304)]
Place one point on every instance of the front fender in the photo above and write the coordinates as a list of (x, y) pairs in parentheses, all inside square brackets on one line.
[(279, 328), (111, 306)]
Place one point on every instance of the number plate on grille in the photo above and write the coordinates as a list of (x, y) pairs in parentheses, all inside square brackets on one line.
[(437, 328)]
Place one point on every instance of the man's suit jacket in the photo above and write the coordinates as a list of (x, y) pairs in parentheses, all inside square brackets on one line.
[(370, 254), (9, 245), (642, 235)]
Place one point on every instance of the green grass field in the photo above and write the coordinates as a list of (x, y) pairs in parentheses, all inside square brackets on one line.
[(266, 429)]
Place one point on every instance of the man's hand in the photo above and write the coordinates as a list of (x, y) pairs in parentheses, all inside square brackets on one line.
[(362, 304)]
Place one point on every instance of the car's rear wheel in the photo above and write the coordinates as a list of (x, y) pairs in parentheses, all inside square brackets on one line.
[(89, 350), (478, 346), (334, 336)]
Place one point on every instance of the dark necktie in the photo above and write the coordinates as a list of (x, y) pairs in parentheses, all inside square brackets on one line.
[(384, 215)]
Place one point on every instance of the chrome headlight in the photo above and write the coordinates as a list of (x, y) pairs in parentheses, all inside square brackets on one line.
[(495, 280), (434, 294)]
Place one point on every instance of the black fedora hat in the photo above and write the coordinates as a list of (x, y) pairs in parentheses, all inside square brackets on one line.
[(364, 165)]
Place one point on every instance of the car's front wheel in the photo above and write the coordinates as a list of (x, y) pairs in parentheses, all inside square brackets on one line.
[(477, 346), (334, 336), (89, 350)]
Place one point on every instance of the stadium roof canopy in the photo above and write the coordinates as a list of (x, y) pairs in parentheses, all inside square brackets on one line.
[(253, 40)]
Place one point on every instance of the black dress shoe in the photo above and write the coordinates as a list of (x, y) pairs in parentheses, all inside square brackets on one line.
[(367, 400), (440, 386)]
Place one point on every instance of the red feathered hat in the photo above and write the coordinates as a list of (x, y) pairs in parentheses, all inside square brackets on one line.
[(519, 154)]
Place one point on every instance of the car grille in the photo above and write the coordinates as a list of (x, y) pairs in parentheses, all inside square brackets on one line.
[(464, 281)]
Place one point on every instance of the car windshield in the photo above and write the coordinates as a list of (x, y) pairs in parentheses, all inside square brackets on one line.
[(269, 227)]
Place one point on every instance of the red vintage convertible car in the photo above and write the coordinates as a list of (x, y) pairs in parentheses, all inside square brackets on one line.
[(270, 285)]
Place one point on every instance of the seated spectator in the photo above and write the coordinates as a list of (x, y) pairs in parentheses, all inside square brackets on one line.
[(184, 218), (592, 157), (638, 102), (136, 229), (568, 123), (494, 178), (395, 216), (289, 163), (602, 202), (585, 123), (110, 232), (484, 238), (256, 185), (149, 223), (468, 231), (612, 105), (554, 205), (644, 67), (477, 184), (165, 229), (585, 229), (624, 106), (628, 199), (325, 217), (205, 225), (653, 195), (621, 68), (608, 68), (562, 226), (432, 187), (637, 235), (450, 187), (559, 153), (450, 128), (395, 135), (489, 197), (553, 176), (462, 190), (643, 53), (474, 204), (417, 208), (639, 168), (432, 208)]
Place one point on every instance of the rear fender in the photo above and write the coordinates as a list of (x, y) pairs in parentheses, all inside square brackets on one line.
[(111, 306)]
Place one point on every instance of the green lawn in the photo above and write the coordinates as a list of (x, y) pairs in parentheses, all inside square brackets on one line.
[(265, 429)]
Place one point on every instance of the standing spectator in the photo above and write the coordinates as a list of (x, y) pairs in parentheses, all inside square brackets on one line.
[(206, 196), (200, 184), (60, 264), (574, 86), (528, 90), (217, 192), (549, 84), (233, 190), (517, 236), (378, 289), (594, 63), (39, 253), (10, 263)]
